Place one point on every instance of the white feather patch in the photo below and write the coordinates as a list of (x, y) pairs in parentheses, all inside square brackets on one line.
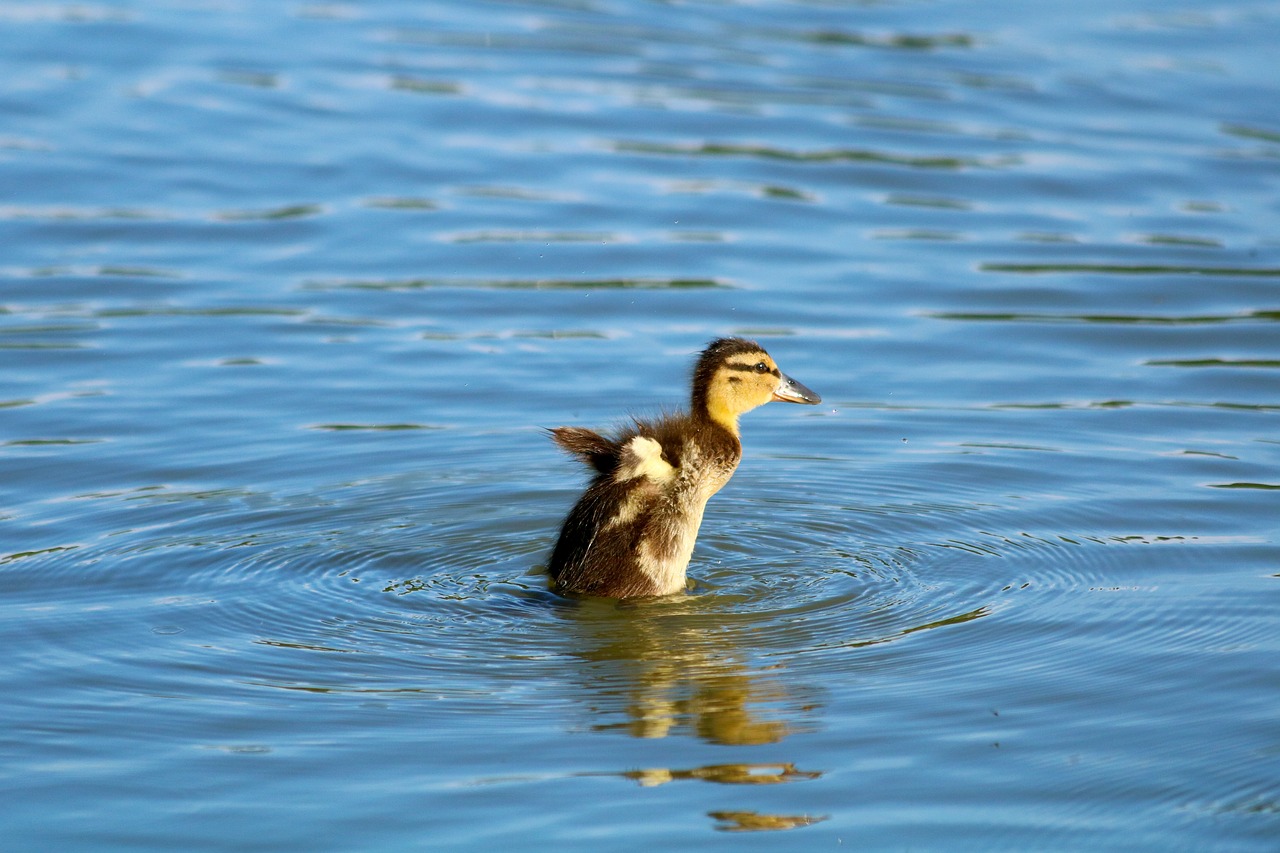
[(642, 457)]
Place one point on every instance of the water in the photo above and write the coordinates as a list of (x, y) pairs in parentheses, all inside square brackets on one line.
[(289, 290)]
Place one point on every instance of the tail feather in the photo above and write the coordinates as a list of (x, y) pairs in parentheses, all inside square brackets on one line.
[(591, 447)]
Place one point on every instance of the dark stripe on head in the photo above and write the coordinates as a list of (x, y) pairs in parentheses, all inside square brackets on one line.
[(751, 368)]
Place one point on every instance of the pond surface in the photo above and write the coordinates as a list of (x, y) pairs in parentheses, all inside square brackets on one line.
[(289, 291)]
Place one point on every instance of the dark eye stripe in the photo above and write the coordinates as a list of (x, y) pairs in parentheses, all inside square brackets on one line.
[(751, 368)]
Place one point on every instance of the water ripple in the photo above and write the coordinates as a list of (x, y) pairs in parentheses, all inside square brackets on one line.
[(1133, 269), (1121, 319), (523, 284), (830, 155)]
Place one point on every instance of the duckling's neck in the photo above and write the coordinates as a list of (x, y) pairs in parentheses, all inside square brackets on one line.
[(716, 410)]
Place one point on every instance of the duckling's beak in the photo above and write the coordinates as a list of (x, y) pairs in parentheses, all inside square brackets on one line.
[(791, 391)]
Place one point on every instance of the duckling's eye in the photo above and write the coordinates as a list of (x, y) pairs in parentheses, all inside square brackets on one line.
[(761, 367)]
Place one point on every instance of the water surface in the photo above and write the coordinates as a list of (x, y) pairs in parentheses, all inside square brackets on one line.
[(289, 291)]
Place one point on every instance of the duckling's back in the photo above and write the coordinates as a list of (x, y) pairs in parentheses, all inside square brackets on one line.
[(632, 532)]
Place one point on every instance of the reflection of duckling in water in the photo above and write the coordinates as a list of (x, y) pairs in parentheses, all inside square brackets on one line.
[(632, 531), (651, 669)]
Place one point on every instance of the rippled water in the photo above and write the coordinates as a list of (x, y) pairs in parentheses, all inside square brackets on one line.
[(288, 292)]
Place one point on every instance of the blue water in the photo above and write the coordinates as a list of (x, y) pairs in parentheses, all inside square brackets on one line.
[(288, 292)]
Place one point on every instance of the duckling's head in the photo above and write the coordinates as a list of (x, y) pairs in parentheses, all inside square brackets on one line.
[(735, 375)]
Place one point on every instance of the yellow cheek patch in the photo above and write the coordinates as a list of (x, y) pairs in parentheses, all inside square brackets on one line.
[(738, 387)]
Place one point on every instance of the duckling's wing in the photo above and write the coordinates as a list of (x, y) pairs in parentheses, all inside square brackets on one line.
[(642, 456), (589, 446)]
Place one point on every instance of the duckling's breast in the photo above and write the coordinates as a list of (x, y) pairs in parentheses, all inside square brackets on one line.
[(704, 472), (672, 515)]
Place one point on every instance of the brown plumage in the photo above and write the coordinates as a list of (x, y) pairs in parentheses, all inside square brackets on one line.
[(632, 531)]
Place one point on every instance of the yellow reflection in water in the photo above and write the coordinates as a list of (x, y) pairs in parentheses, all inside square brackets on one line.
[(725, 774), (749, 821), (669, 671)]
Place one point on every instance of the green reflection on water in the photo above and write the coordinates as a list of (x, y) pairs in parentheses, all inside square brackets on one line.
[(827, 155), (524, 284), (1131, 269), (1152, 319)]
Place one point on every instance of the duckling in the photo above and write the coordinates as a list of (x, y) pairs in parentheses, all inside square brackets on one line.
[(632, 532)]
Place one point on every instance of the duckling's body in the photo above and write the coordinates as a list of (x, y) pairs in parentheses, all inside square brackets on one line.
[(633, 530)]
